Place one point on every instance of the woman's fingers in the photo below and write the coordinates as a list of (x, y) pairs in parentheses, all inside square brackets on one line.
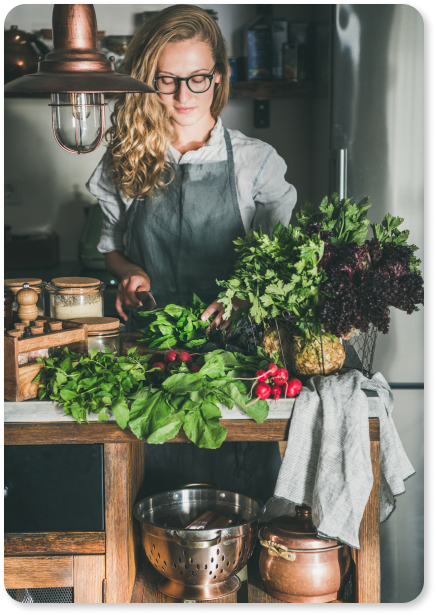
[(127, 293), (119, 305), (216, 306), (213, 307)]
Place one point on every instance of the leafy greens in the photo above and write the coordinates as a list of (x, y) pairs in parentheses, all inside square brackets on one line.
[(154, 404), (323, 270), (177, 326)]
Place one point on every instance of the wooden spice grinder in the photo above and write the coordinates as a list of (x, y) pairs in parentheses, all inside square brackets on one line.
[(26, 299)]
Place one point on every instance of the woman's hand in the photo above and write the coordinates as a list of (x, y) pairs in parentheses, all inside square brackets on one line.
[(134, 281), (216, 306)]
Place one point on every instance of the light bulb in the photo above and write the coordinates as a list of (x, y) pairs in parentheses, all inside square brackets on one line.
[(78, 121)]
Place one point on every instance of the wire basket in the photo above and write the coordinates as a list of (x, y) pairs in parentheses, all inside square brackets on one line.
[(359, 349)]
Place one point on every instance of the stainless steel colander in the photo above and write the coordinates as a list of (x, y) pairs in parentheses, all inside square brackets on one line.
[(198, 564)]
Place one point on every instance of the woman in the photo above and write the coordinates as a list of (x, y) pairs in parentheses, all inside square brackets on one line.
[(176, 189)]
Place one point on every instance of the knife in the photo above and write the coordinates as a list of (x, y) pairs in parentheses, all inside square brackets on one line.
[(147, 300)]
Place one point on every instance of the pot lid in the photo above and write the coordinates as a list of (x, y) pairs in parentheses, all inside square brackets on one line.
[(75, 282), (21, 281), (296, 531), (100, 324)]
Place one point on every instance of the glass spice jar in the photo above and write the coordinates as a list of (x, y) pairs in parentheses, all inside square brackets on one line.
[(15, 284), (103, 333), (72, 298)]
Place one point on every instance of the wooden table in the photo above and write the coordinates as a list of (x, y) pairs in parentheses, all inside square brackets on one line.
[(108, 566)]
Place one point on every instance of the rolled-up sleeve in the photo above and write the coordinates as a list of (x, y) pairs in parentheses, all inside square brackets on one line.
[(273, 196), (114, 208)]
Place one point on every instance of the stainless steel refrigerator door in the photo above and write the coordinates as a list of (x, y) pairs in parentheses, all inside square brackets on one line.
[(377, 116)]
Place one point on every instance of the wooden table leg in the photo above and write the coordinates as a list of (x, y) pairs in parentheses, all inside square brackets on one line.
[(367, 559), (124, 469)]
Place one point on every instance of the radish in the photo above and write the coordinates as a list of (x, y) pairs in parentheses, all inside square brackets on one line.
[(292, 387), (194, 369), (185, 357), (261, 375), (276, 392), (273, 369), (282, 376), (159, 365), (170, 356), (262, 390)]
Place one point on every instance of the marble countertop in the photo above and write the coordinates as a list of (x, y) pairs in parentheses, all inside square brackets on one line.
[(34, 411)]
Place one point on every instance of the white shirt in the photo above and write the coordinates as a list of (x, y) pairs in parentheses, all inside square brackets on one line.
[(264, 196)]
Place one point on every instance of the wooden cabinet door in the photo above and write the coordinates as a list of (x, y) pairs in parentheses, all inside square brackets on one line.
[(84, 573)]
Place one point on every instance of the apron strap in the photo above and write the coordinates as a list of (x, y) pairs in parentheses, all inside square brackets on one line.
[(231, 166), (232, 176)]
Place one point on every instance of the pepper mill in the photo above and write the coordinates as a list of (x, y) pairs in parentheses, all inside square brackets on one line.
[(27, 298)]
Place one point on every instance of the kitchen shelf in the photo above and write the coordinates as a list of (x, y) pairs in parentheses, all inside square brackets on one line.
[(251, 591), (263, 90)]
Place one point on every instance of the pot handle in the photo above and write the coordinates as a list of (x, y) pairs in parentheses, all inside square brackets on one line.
[(196, 544), (275, 549)]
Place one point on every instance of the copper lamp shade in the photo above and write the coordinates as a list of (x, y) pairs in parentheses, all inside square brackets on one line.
[(77, 75), (76, 64)]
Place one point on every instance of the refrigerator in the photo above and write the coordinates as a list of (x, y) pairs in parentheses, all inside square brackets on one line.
[(368, 139)]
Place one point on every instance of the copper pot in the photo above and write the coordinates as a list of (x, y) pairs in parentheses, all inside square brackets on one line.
[(298, 566), (23, 50)]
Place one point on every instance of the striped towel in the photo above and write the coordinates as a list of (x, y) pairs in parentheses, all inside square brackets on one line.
[(327, 462)]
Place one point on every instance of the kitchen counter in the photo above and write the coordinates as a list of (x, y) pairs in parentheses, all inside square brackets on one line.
[(34, 411), (43, 422)]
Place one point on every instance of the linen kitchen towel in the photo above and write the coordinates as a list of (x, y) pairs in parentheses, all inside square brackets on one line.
[(327, 462)]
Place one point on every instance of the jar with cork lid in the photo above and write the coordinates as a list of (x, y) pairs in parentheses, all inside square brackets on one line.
[(75, 297), (15, 284), (103, 333)]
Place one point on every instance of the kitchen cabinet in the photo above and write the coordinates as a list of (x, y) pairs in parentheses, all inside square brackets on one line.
[(108, 566)]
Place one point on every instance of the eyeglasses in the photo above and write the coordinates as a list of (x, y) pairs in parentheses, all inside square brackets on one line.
[(197, 83)]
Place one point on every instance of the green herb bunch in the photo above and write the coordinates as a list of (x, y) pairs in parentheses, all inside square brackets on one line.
[(152, 403), (275, 274), (176, 326), (324, 271)]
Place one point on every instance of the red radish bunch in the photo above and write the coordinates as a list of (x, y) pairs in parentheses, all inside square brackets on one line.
[(184, 357), (292, 387), (280, 383), (281, 377), (262, 391), (194, 369), (276, 391), (159, 365), (170, 356), (261, 375), (273, 369)]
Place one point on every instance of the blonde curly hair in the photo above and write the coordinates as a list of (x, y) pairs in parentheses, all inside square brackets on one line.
[(141, 129)]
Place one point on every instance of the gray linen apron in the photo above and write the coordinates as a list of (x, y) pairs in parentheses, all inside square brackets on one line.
[(183, 238)]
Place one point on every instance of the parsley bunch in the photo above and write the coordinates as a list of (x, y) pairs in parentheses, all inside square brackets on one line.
[(275, 274)]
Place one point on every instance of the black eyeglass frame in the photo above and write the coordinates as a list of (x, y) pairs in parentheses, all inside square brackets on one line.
[(187, 79)]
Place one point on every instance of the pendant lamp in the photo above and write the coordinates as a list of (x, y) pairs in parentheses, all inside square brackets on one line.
[(77, 75)]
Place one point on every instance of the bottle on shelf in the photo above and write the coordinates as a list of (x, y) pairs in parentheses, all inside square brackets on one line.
[(259, 45), (279, 39)]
